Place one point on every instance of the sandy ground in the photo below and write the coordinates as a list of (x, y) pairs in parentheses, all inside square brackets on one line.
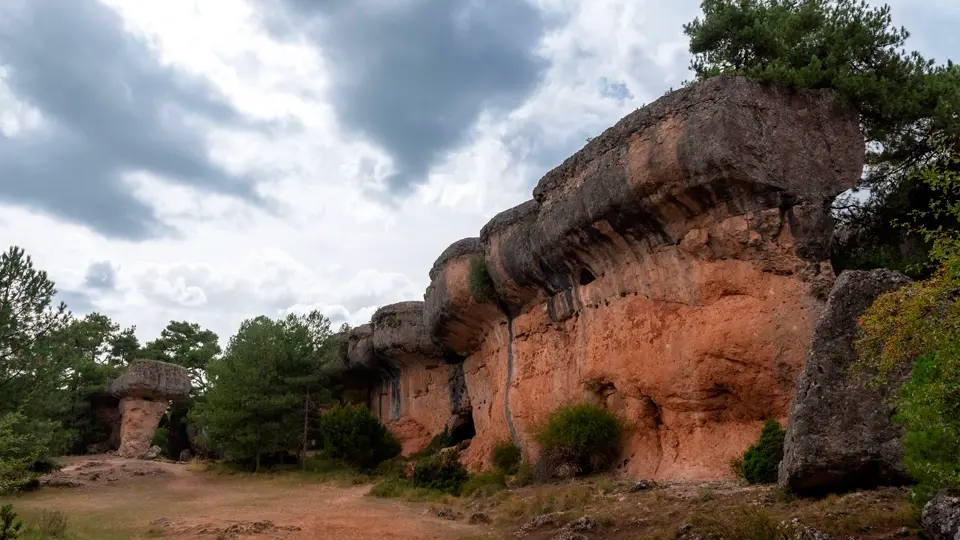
[(113, 498)]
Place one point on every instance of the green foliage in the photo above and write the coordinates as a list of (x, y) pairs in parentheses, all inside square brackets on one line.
[(160, 438), (442, 472), (10, 527), (52, 524), (484, 484), (267, 388), (481, 284), (583, 433), (353, 434), (524, 476), (846, 45), (188, 345), (760, 461), (438, 442), (908, 105), (506, 456), (399, 488), (921, 323), (22, 444)]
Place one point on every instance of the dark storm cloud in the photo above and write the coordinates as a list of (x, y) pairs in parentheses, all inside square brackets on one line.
[(101, 276), (414, 75), (108, 108)]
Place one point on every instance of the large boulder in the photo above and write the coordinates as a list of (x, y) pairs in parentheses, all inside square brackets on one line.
[(840, 434), (941, 517), (145, 391)]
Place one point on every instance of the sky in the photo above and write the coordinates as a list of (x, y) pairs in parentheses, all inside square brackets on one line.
[(217, 160)]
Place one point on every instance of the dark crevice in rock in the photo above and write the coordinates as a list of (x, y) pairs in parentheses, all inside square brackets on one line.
[(506, 393), (586, 276)]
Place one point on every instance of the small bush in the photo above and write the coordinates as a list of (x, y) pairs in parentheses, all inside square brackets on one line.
[(10, 527), (484, 484), (442, 472), (438, 442), (760, 461), (481, 284), (45, 465), (52, 524), (583, 435), (354, 435), (524, 476), (506, 456)]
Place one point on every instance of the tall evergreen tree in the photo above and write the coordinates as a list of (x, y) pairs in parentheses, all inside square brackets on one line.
[(272, 372)]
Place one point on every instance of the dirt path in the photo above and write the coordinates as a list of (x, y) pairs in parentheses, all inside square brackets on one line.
[(135, 499)]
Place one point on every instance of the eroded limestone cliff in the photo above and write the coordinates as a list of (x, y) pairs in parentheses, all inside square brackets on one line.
[(672, 270)]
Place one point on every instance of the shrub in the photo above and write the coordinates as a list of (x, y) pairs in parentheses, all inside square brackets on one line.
[(353, 434), (585, 435), (442, 472), (438, 442), (760, 461), (524, 476), (485, 484), (10, 526), (506, 456), (921, 323), (52, 524), (481, 284)]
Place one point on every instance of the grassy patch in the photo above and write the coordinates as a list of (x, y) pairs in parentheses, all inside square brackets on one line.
[(399, 488)]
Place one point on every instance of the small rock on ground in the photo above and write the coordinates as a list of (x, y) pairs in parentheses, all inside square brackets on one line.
[(570, 535), (583, 524), (480, 518), (643, 485), (447, 513)]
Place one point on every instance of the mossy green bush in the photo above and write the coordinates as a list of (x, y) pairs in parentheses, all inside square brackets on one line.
[(481, 284), (442, 472), (760, 462), (354, 435), (583, 434), (506, 456)]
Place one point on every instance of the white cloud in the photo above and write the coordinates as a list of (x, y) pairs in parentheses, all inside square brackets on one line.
[(323, 242)]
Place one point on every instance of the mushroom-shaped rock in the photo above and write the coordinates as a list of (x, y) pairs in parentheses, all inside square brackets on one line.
[(145, 391)]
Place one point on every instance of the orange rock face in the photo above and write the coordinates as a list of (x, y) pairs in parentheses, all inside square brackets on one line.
[(140, 420), (672, 271)]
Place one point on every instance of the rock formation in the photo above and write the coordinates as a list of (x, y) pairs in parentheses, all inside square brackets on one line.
[(145, 391), (941, 517), (841, 435), (412, 384), (671, 270)]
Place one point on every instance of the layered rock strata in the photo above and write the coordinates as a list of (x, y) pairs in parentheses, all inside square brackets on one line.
[(672, 270), (145, 391)]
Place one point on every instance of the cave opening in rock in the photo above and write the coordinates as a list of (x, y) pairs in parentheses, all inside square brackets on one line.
[(463, 428), (586, 276)]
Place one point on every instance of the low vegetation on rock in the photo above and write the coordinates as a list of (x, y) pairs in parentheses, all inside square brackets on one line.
[(481, 284)]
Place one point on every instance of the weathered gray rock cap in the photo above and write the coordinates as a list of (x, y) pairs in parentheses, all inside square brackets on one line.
[(152, 379)]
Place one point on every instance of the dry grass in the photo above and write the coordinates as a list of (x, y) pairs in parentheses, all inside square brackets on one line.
[(729, 509)]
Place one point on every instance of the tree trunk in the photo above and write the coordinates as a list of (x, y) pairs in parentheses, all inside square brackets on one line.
[(306, 414)]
